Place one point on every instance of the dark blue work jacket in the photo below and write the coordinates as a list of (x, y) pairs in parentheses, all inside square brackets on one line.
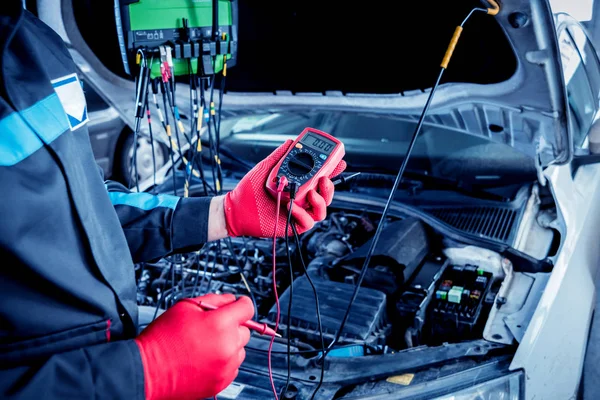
[(68, 308)]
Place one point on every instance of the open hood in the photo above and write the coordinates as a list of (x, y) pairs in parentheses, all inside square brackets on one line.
[(504, 81)]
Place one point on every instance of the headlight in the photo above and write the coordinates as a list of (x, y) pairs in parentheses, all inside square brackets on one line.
[(508, 387)]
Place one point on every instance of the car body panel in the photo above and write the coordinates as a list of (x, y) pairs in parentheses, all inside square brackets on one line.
[(553, 348)]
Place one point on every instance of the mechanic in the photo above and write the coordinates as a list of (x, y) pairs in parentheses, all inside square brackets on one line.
[(68, 316)]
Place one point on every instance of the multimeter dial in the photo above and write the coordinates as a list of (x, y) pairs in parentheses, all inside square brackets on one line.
[(301, 164)]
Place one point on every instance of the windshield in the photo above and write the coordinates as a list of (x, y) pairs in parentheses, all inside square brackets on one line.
[(378, 142)]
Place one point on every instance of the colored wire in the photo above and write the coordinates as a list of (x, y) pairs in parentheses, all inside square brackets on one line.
[(200, 118), (197, 277), (274, 258), (162, 293), (211, 142), (398, 179), (221, 92), (150, 124), (288, 222), (168, 131), (299, 352), (193, 106), (318, 308), (217, 126), (133, 168), (242, 277), (176, 123), (151, 143), (212, 274)]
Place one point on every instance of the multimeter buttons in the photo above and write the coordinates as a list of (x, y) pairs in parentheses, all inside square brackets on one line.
[(300, 164)]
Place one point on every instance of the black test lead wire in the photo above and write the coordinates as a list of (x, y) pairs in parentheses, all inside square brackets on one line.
[(211, 143), (288, 222), (148, 114), (168, 131), (491, 11), (189, 170), (217, 122), (151, 143), (196, 126), (200, 119), (318, 308), (140, 105)]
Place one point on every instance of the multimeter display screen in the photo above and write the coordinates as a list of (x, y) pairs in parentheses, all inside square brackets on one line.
[(318, 143)]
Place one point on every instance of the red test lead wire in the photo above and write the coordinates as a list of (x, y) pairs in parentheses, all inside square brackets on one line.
[(283, 182), (262, 329)]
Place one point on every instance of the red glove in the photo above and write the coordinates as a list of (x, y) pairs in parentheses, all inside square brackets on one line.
[(188, 353), (250, 209)]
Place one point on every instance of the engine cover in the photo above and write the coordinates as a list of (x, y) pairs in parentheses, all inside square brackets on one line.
[(367, 322)]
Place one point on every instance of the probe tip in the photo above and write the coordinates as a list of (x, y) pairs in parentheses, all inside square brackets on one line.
[(278, 335)]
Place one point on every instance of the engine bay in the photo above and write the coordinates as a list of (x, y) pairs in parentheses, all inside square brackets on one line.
[(412, 294)]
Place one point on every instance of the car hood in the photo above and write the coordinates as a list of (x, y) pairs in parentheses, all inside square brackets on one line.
[(504, 81)]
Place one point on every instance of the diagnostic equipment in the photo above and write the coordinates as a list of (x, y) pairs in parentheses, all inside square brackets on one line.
[(312, 155), (200, 36)]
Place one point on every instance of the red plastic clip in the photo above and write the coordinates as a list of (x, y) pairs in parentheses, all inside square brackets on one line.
[(165, 71), (283, 182)]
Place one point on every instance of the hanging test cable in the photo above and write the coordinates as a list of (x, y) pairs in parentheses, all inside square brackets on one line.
[(169, 138), (217, 123), (314, 290), (197, 112), (221, 93), (164, 122), (174, 145), (193, 106), (288, 222), (283, 182), (189, 170), (148, 114), (140, 106), (444, 65), (209, 113), (170, 88), (151, 143), (318, 309), (211, 142), (315, 294)]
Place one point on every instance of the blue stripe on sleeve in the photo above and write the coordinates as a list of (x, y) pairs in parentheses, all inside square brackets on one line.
[(144, 201), (18, 140)]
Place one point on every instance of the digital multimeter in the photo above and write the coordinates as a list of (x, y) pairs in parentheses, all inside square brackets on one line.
[(312, 155)]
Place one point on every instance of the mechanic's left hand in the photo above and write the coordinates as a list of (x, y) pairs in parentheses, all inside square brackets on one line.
[(250, 209)]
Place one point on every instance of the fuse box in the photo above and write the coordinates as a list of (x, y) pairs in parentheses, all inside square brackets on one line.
[(462, 295)]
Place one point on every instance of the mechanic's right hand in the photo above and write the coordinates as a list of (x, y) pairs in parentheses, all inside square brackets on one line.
[(188, 353)]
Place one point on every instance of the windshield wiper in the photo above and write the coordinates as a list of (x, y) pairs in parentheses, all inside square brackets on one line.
[(456, 185), (415, 180)]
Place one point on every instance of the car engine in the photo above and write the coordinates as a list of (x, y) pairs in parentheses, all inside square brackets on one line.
[(411, 294)]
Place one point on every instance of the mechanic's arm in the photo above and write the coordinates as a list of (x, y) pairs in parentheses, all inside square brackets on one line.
[(158, 225), (168, 360)]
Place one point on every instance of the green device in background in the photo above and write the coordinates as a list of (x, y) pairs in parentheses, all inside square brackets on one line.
[(200, 34)]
